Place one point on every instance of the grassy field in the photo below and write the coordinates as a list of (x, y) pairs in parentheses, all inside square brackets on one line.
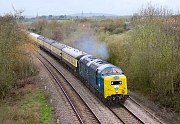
[(26, 105)]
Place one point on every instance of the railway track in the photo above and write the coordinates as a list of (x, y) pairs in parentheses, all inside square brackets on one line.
[(79, 106), (152, 115), (124, 115)]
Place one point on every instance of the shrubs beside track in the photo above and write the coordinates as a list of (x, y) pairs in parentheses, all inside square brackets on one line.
[(149, 55), (15, 62), (21, 101)]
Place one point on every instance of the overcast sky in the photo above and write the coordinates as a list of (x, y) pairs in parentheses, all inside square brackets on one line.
[(62, 7)]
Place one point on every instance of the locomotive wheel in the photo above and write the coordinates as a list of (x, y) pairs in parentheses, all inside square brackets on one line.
[(122, 101)]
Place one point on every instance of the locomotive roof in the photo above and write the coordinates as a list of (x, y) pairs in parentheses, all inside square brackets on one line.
[(105, 66), (73, 52), (96, 64), (87, 58), (58, 45), (89, 63)]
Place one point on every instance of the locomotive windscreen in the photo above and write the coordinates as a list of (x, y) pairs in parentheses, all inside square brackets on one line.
[(116, 82)]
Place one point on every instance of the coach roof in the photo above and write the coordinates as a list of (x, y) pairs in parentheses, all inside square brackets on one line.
[(73, 52)]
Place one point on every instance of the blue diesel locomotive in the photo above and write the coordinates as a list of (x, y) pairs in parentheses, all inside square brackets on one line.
[(100, 76)]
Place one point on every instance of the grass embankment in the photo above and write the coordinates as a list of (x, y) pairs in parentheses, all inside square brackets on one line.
[(21, 102), (26, 105)]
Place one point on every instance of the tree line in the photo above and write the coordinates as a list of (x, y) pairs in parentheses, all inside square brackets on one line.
[(150, 55), (15, 62)]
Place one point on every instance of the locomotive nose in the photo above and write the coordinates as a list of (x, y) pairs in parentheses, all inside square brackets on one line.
[(115, 85)]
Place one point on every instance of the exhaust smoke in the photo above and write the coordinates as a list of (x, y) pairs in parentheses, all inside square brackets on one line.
[(89, 44)]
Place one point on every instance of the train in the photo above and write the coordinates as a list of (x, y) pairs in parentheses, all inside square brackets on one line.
[(105, 79)]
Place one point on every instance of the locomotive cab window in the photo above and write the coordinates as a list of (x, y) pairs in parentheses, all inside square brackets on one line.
[(111, 71)]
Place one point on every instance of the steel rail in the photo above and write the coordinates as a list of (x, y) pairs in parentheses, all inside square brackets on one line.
[(68, 98), (116, 115), (72, 88), (153, 115), (133, 115)]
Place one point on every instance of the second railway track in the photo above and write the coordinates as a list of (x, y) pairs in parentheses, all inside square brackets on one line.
[(126, 116), (152, 117), (80, 107)]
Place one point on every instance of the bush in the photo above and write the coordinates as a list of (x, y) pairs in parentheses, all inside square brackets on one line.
[(149, 55), (14, 62), (118, 31), (153, 67)]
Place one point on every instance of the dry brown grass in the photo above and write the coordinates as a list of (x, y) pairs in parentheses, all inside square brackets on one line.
[(24, 105), (11, 111)]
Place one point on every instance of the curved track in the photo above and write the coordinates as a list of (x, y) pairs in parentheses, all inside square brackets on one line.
[(122, 113), (93, 118), (149, 113)]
